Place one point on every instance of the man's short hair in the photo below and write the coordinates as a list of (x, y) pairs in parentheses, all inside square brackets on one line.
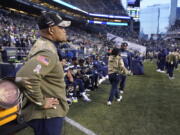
[(115, 51)]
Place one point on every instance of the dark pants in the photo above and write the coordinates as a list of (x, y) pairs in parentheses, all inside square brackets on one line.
[(52, 126), (162, 64), (104, 71), (176, 65), (114, 80), (170, 69), (80, 83), (94, 80), (122, 82)]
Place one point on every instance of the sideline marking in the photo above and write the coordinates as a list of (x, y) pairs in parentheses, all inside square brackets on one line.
[(79, 126)]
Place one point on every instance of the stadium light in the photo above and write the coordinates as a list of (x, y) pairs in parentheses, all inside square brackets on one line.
[(110, 16), (117, 24), (107, 23), (69, 5), (91, 14)]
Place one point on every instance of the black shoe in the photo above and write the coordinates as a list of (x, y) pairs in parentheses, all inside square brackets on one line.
[(96, 87)]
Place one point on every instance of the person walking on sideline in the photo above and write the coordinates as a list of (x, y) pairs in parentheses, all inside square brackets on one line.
[(115, 68)]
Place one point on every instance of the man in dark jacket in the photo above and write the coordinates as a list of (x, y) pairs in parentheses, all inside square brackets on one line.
[(162, 60), (126, 56)]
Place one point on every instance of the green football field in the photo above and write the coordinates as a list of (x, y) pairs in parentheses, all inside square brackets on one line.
[(150, 106)]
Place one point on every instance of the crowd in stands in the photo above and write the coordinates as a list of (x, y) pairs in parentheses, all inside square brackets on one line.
[(21, 31), (124, 33), (16, 29), (113, 7)]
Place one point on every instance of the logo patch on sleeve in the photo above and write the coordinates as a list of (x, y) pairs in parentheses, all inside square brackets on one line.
[(37, 69), (43, 60)]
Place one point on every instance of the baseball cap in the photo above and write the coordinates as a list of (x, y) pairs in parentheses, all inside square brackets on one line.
[(48, 19), (124, 44)]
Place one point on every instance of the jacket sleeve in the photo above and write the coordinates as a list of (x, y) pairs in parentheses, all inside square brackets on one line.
[(121, 66), (31, 74), (167, 58)]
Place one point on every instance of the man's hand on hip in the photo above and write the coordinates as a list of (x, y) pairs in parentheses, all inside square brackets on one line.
[(51, 103)]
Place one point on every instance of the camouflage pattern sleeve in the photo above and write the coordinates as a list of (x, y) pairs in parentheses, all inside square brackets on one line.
[(122, 67)]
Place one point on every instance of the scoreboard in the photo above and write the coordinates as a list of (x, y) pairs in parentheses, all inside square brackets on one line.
[(133, 9), (134, 12)]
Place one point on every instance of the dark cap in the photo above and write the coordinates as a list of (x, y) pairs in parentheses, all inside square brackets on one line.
[(115, 51), (124, 44), (48, 19)]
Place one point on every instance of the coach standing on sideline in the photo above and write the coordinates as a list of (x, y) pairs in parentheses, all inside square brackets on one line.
[(127, 59), (42, 78)]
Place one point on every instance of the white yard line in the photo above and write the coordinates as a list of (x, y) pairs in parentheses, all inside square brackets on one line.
[(79, 126)]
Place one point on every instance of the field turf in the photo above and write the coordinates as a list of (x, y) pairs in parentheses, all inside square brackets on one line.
[(150, 106)]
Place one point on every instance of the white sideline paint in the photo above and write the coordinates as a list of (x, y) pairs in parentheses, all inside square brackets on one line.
[(79, 126)]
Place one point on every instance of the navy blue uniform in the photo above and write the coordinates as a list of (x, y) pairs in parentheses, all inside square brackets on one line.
[(162, 59), (137, 68), (126, 56)]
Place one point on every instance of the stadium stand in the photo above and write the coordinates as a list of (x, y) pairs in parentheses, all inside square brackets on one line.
[(113, 7)]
